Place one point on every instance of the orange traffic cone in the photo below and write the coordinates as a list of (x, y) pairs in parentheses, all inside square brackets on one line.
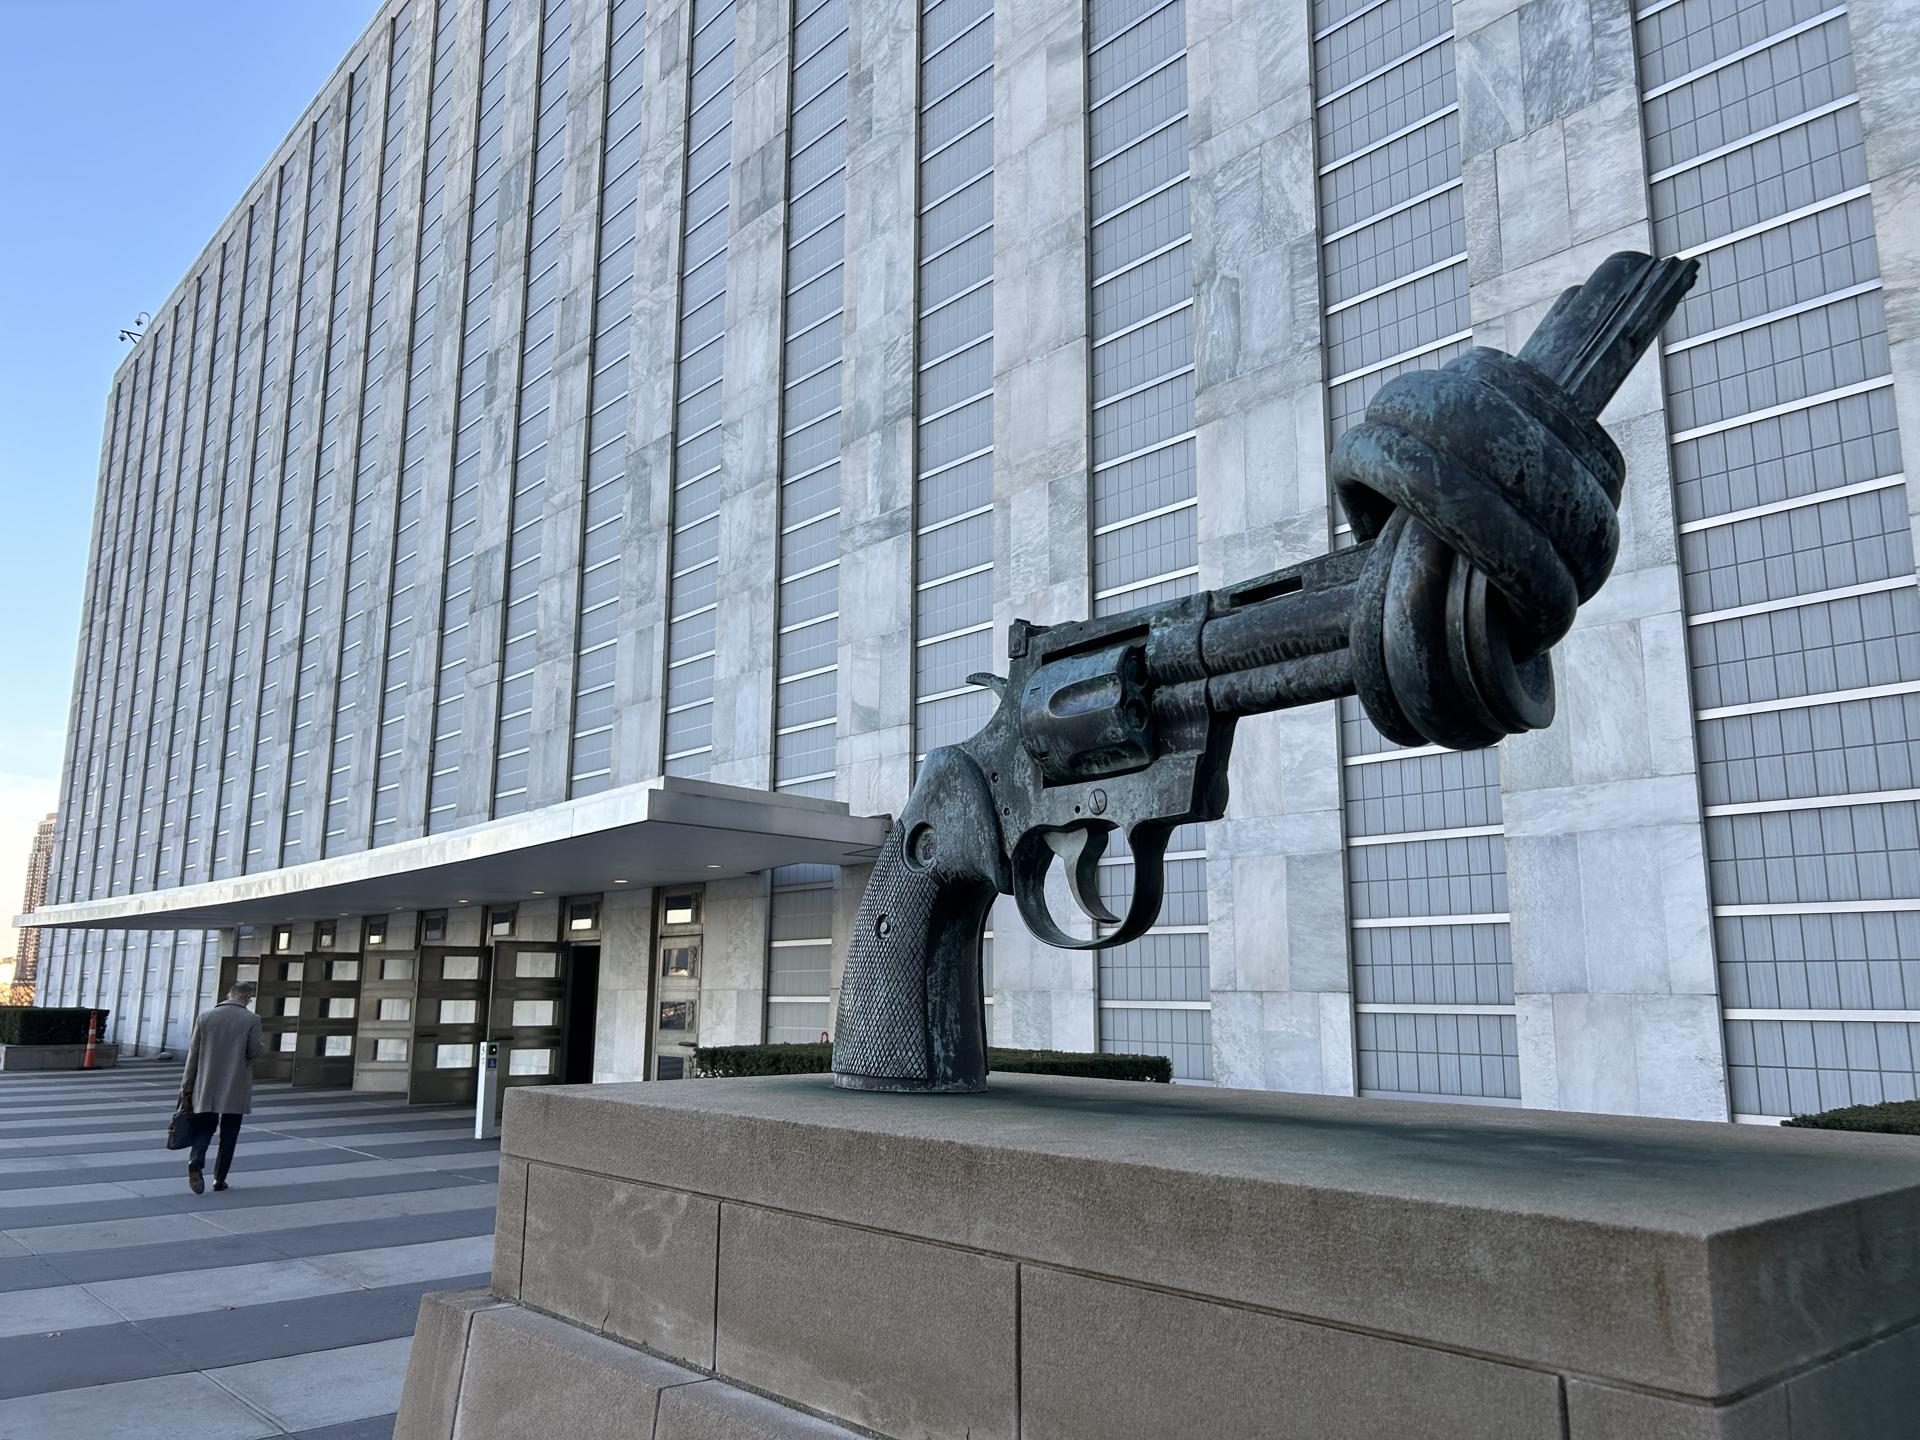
[(93, 1034)]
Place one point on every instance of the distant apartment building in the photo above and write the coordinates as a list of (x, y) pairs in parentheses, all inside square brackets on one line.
[(39, 867), (545, 529)]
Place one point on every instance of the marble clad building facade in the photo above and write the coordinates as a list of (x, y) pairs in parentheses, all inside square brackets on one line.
[(594, 391)]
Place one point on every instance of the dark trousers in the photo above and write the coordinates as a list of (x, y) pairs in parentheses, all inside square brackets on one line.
[(205, 1122)]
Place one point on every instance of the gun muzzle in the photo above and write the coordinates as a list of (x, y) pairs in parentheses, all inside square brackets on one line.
[(1486, 495)]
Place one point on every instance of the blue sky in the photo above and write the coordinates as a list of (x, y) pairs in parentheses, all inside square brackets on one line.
[(133, 127)]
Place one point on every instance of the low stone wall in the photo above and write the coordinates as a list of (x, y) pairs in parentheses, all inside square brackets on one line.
[(56, 1057), (1063, 1258)]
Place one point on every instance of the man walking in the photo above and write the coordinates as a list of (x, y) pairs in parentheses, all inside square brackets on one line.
[(218, 1082)]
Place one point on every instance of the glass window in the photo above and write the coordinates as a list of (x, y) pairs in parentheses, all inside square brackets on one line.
[(396, 1009), (460, 967), (397, 967), (340, 1008), (390, 1051), (337, 1045), (680, 960), (249, 973), (500, 923), (530, 1062), (681, 908), (584, 916), (676, 1015), (293, 970), (452, 1057), (290, 1006), (533, 1012), (433, 925), (459, 1012), (282, 938), (537, 965), (285, 1042), (343, 970), (376, 932), (323, 934), (671, 1067)]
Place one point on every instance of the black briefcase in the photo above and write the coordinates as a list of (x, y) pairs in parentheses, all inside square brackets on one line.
[(180, 1130)]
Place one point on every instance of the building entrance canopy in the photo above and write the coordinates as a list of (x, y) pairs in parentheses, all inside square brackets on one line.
[(667, 831)]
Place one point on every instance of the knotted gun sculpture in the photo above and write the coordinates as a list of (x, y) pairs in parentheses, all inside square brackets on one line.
[(1484, 496)]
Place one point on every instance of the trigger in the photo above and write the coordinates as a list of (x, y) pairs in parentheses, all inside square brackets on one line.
[(1081, 850)]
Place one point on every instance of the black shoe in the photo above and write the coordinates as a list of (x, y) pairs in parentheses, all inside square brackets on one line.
[(194, 1182), (219, 1185)]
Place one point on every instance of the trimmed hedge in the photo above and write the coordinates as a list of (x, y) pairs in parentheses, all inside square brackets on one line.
[(734, 1061), (33, 1025), (1894, 1117)]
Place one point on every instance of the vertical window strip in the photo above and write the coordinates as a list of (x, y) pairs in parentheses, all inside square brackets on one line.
[(135, 648), (369, 449), (241, 711), (283, 608), (100, 857), (337, 403), (469, 431), (533, 415), (1435, 1000), (190, 650), (1777, 380), (1143, 540), (152, 703), (807, 667), (597, 637), (699, 387), (953, 399), (800, 954), (423, 390), (79, 816), (220, 627)]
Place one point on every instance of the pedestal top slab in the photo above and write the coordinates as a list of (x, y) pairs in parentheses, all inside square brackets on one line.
[(1700, 1259)]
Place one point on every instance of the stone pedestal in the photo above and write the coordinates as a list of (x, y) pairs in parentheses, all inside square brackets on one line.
[(57, 1057), (1063, 1258)]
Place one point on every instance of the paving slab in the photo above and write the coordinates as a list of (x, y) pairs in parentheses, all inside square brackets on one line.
[(326, 1387), (167, 1407)]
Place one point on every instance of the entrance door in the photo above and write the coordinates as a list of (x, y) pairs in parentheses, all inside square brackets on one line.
[(329, 1014), (582, 1010), (449, 1022), (278, 1003), (528, 1012)]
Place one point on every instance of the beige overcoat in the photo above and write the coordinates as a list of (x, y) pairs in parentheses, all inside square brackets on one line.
[(219, 1070)]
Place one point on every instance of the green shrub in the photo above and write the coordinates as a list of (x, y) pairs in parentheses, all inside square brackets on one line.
[(735, 1061), (1895, 1117), (32, 1025)]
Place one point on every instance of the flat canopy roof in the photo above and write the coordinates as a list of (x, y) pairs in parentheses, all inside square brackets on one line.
[(665, 831)]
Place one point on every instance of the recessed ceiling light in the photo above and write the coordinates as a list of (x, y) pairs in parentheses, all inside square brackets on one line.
[(713, 867), (539, 892), (619, 882)]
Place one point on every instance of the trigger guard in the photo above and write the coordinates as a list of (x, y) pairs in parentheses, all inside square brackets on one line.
[(1031, 861)]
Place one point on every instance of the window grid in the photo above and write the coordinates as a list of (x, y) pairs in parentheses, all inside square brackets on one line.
[(312, 624), (449, 741), (800, 954), (241, 265), (1775, 373), (597, 637), (699, 387), (527, 482), (807, 670), (281, 640), (1393, 266), (422, 392), (240, 720), (1143, 540), (358, 607)]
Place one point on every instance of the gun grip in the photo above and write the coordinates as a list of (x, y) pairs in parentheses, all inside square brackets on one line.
[(912, 1007)]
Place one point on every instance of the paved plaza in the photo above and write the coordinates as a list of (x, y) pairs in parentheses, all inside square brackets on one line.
[(130, 1307)]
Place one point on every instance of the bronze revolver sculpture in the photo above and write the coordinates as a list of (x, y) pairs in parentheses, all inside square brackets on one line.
[(1484, 497)]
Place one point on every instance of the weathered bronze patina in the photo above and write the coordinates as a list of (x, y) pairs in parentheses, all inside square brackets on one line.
[(1484, 497)]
